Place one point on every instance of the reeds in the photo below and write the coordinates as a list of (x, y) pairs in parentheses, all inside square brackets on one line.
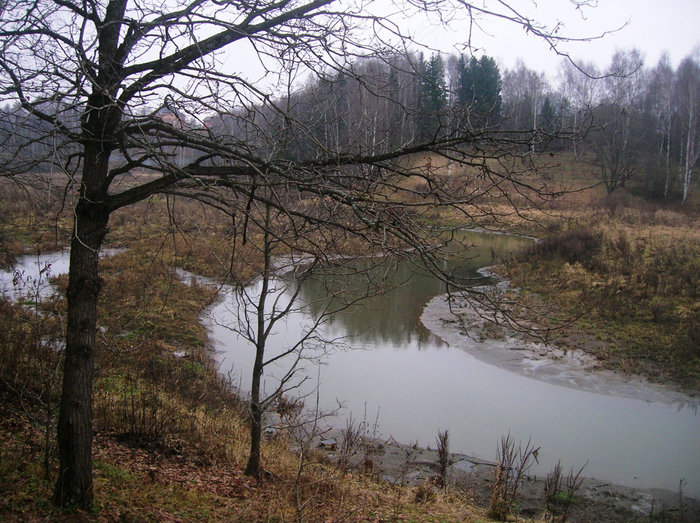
[(513, 461)]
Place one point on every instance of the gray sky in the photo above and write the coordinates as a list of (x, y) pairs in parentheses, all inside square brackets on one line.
[(653, 26)]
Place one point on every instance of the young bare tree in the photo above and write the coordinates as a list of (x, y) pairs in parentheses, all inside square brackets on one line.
[(688, 101), (260, 307), (114, 92), (258, 314)]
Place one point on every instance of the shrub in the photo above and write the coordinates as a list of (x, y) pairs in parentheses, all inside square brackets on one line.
[(512, 464), (443, 449), (573, 245), (559, 492)]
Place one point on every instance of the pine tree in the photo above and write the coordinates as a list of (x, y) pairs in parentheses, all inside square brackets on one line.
[(432, 98), (478, 97)]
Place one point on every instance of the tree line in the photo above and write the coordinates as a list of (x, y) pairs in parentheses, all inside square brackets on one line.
[(629, 119)]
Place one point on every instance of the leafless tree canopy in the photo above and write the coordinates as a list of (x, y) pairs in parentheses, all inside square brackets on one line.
[(126, 99)]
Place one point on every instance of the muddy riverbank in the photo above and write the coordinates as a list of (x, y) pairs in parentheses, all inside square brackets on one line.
[(596, 500), (464, 324)]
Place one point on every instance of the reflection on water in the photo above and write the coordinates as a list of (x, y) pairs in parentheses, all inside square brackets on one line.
[(392, 318), (418, 385)]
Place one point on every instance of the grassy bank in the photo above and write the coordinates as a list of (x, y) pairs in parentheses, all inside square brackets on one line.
[(620, 271), (630, 291)]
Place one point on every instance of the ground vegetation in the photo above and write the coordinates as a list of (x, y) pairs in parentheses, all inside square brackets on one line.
[(169, 428), (121, 100), (624, 271)]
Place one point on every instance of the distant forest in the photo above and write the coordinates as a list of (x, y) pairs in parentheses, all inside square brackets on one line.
[(630, 120)]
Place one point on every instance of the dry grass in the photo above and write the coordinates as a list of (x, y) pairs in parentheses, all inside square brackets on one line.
[(171, 439), (624, 268), (634, 289)]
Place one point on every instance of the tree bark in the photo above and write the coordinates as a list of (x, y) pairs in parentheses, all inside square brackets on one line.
[(252, 468), (256, 409), (75, 431), (74, 485)]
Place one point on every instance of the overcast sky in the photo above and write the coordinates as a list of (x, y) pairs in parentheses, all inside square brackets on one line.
[(653, 26)]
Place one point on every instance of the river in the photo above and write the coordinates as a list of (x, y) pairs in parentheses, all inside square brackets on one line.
[(413, 383)]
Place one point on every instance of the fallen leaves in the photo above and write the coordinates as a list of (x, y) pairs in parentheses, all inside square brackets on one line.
[(179, 469)]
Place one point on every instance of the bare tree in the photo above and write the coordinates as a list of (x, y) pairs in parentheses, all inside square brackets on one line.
[(260, 308), (581, 90), (620, 134), (523, 93), (661, 101), (688, 100), (266, 306), (96, 79)]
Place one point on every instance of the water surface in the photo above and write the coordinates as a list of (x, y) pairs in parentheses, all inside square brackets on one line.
[(414, 384)]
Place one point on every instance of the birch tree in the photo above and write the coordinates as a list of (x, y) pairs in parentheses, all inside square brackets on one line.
[(688, 103), (618, 139)]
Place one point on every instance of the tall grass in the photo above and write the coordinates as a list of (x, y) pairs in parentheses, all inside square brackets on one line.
[(513, 461), (560, 492), (635, 288)]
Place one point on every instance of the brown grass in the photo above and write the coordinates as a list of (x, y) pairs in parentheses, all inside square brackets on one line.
[(628, 272), (171, 438)]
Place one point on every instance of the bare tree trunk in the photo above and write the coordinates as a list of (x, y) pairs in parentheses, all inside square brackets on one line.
[(667, 159), (685, 180), (690, 156), (253, 466), (575, 140), (74, 485), (256, 411)]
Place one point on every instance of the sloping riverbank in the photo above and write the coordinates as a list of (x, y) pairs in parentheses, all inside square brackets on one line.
[(462, 324)]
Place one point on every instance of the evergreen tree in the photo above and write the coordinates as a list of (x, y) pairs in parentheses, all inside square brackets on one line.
[(465, 84), (478, 96), (432, 97), (548, 116)]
